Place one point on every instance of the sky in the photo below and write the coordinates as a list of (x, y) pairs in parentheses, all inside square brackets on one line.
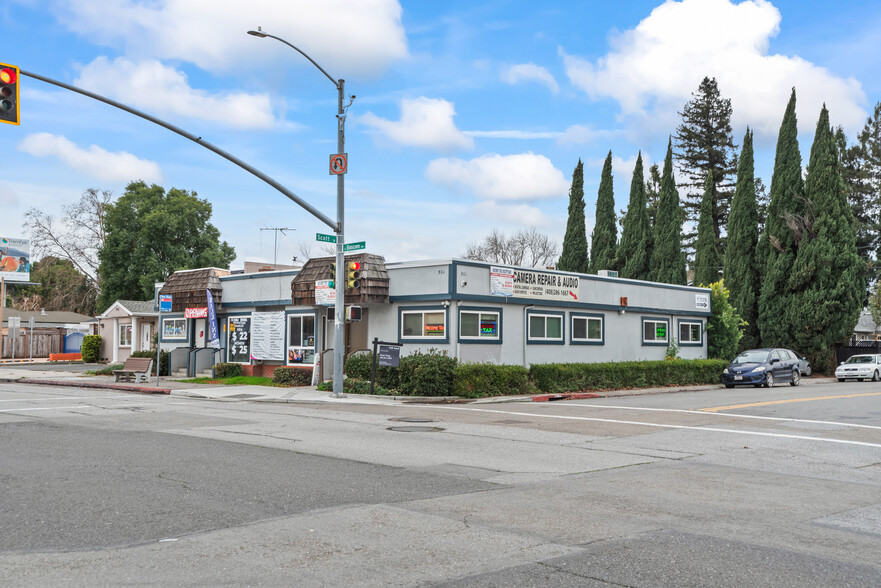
[(467, 117)]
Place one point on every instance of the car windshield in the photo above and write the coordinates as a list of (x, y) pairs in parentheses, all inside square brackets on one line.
[(861, 359), (754, 356)]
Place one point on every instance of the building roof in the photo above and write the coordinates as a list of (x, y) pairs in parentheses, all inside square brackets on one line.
[(138, 306), (866, 324), (188, 287), (48, 318), (374, 280)]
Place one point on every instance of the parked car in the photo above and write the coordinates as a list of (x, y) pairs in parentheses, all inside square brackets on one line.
[(804, 366), (860, 367), (763, 367)]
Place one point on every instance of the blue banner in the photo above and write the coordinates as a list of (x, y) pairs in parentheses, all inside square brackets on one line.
[(213, 334)]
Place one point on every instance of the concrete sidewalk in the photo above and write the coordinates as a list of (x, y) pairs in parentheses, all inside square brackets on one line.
[(73, 375)]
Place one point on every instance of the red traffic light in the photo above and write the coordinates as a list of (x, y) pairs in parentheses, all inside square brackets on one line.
[(354, 265), (8, 76)]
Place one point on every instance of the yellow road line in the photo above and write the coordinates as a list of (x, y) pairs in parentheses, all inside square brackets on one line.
[(772, 402)]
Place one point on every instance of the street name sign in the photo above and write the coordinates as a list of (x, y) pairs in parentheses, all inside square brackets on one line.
[(322, 238), (355, 246)]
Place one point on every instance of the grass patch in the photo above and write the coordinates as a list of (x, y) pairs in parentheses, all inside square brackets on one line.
[(106, 370), (234, 381)]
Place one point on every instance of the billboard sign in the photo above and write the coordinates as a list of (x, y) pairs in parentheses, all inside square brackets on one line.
[(15, 259)]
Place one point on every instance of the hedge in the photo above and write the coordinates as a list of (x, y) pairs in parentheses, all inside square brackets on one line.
[(478, 380), (292, 376), (573, 377), (163, 360), (91, 348), (227, 370)]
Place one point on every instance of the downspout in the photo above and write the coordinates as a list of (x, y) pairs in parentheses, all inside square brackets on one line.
[(525, 332), (456, 332)]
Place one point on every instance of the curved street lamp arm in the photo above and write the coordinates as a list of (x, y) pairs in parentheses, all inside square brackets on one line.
[(298, 50)]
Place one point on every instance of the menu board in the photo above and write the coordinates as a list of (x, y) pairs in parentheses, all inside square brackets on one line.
[(239, 345), (267, 335)]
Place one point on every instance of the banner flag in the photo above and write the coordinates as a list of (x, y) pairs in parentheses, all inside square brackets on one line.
[(214, 335)]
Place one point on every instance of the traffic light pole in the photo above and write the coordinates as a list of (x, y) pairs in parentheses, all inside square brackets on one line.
[(339, 314)]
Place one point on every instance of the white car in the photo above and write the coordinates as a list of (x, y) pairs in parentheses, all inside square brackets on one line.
[(860, 367)]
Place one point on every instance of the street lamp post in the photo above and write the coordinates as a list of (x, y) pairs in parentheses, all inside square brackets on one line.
[(339, 319)]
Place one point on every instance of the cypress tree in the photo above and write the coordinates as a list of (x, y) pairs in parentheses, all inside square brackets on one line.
[(707, 263), (635, 246), (668, 258), (574, 256), (741, 275), (777, 246), (604, 238), (827, 276)]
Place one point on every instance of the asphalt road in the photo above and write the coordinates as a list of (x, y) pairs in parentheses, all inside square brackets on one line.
[(713, 488)]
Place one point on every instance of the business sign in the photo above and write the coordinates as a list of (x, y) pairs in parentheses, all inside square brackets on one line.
[(702, 301), (196, 312), (213, 331), (15, 259), (324, 294), (533, 284), (165, 303), (239, 344), (389, 355), (267, 335)]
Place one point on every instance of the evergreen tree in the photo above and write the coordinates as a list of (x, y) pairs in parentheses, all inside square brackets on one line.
[(707, 263), (705, 145), (777, 246), (636, 239), (653, 192), (668, 258), (740, 255), (861, 196), (574, 256), (827, 276), (604, 238)]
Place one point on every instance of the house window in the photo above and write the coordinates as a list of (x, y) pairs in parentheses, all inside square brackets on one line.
[(174, 328), (690, 332), (424, 324), (587, 329), (483, 326), (654, 331), (301, 339), (125, 335), (545, 327)]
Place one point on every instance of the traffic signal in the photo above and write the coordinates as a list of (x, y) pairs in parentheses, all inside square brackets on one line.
[(353, 313), (331, 275), (353, 275), (9, 94)]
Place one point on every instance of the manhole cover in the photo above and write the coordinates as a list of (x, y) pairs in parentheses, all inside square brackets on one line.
[(415, 429), (411, 420)]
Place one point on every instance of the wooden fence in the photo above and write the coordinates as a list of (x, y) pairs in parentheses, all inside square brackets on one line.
[(45, 341)]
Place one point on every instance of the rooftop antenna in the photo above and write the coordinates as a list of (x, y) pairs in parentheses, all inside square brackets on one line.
[(277, 230)]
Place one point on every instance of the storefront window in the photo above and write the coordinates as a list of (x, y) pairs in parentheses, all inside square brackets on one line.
[(174, 328), (301, 339), (420, 324), (478, 325), (125, 335)]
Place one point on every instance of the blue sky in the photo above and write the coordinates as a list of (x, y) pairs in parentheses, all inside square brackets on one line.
[(469, 116)]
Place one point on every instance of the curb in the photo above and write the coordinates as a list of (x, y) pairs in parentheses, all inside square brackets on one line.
[(566, 396), (121, 387)]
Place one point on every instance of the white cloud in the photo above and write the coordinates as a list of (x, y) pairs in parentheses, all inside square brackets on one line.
[(425, 122), (159, 89), (94, 161), (655, 67), (345, 37), (512, 214), (524, 176), (514, 134), (529, 72)]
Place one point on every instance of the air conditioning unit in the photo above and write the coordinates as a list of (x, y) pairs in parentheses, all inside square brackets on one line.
[(608, 273)]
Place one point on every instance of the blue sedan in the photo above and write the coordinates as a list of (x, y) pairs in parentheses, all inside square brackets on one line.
[(763, 367)]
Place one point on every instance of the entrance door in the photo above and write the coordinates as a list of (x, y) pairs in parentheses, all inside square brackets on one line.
[(146, 337), (200, 325)]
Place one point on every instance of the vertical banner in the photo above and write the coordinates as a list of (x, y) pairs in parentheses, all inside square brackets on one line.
[(213, 333)]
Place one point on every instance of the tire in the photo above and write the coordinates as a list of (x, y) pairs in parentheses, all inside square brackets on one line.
[(840, 379), (796, 378), (729, 385), (758, 385), (875, 376), (769, 380), (808, 371)]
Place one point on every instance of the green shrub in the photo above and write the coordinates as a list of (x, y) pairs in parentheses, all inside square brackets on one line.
[(107, 370), (91, 348), (358, 366), (292, 376), (163, 360), (573, 377), (477, 380), (227, 370), (427, 374)]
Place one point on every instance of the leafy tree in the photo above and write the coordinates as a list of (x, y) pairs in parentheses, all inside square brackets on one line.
[(705, 146), (636, 235), (668, 258), (61, 287), (77, 235), (707, 263), (604, 238), (741, 273), (827, 277), (150, 234), (527, 248), (777, 245), (574, 257), (724, 328)]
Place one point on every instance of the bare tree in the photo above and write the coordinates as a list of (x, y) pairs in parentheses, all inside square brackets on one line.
[(76, 236), (304, 248), (526, 248)]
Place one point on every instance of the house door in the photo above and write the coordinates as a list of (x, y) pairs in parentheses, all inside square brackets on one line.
[(200, 332), (146, 337)]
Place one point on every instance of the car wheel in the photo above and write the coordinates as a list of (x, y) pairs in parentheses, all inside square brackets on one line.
[(769, 380), (840, 379), (875, 376), (808, 370), (796, 378), (729, 385)]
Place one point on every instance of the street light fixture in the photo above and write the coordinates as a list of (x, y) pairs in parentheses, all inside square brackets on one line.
[(339, 319)]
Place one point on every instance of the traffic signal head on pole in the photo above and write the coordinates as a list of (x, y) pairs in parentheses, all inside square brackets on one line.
[(331, 275), (353, 275), (9, 94)]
